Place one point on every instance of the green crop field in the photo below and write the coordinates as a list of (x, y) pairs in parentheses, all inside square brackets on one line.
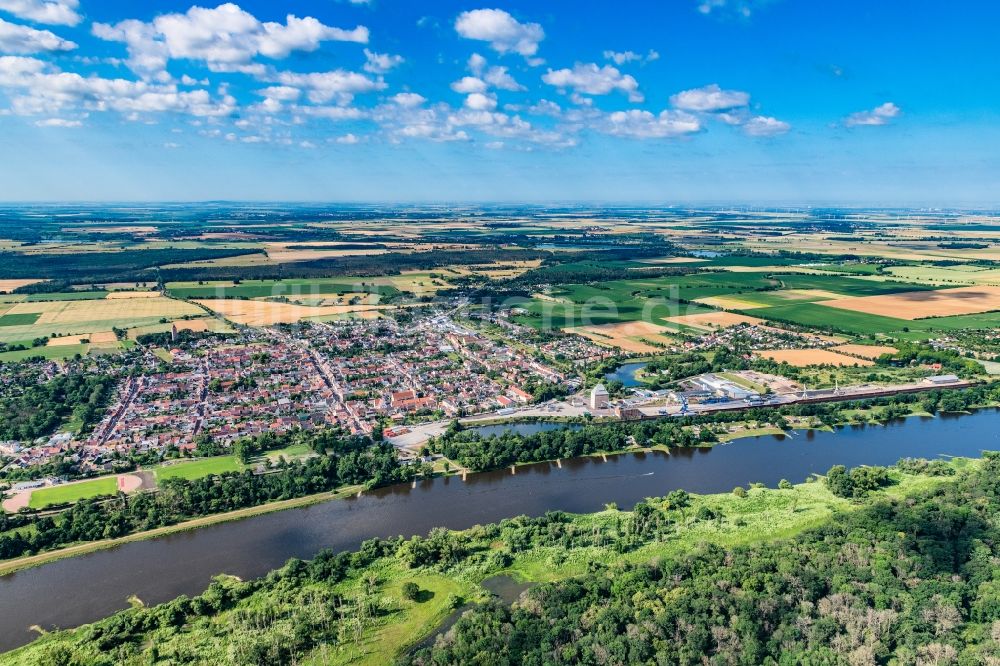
[(73, 492), (854, 269), (195, 469), (51, 353), (25, 319), (848, 286), (822, 317)]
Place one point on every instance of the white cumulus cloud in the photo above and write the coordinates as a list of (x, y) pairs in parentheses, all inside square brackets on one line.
[(709, 99), (589, 79), (469, 84), (380, 63), (21, 39), (339, 85), (504, 33), (226, 37), (481, 102), (880, 115), (765, 126), (49, 12), (641, 124), (408, 99)]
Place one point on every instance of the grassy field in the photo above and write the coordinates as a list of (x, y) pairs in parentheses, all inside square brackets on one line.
[(947, 275), (73, 492), (25, 319), (195, 469), (51, 353)]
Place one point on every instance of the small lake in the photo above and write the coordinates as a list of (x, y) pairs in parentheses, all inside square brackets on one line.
[(73, 591), (626, 374)]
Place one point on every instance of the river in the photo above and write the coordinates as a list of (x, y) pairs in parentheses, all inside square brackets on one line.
[(82, 589)]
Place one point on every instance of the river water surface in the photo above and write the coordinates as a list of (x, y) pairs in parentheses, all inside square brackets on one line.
[(82, 589)]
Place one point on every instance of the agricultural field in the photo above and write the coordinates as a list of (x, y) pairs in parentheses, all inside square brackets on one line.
[(29, 320), (920, 304), (7, 286), (870, 352), (947, 275), (637, 337), (805, 357), (195, 325), (710, 320), (277, 289), (268, 313)]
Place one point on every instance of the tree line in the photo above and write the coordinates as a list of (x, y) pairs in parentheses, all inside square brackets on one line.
[(344, 462), (480, 453)]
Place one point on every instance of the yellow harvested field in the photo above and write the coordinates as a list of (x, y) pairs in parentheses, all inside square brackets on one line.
[(267, 313), (800, 358), (73, 312), (502, 269), (289, 256), (127, 295), (805, 294), (673, 260), (730, 303), (774, 269), (865, 351), (68, 340), (194, 325), (103, 337), (10, 285), (553, 299), (714, 320), (919, 304), (631, 336)]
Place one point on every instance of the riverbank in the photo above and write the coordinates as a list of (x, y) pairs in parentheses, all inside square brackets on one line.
[(157, 570), (724, 520), (21, 563), (456, 470)]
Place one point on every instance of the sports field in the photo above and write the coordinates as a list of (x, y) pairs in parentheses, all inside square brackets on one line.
[(195, 469), (921, 304), (72, 492)]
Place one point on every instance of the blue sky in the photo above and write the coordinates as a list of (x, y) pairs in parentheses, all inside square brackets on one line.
[(769, 101)]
